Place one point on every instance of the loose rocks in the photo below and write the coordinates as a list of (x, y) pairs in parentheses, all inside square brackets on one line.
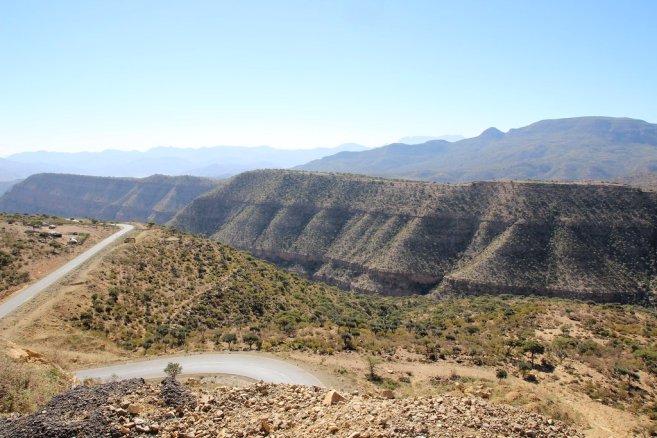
[(275, 410)]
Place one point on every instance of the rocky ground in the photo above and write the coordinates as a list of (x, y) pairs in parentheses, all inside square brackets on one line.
[(134, 408)]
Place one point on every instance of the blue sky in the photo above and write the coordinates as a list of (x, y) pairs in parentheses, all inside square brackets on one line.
[(91, 75)]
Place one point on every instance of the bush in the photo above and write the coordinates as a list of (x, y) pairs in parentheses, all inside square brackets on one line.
[(530, 378), (250, 339), (501, 374), (229, 338), (173, 369)]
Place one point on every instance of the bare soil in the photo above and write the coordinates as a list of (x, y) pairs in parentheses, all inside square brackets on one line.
[(41, 255)]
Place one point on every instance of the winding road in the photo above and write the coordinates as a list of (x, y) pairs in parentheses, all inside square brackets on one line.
[(20, 298), (254, 366)]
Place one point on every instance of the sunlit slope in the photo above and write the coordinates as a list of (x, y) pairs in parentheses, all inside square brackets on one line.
[(402, 237)]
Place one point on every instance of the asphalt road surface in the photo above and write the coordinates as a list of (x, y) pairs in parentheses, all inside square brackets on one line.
[(254, 366), (32, 291)]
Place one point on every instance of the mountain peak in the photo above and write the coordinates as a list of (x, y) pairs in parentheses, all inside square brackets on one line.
[(492, 133)]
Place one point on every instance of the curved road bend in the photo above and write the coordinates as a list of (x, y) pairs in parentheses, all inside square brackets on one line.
[(258, 367), (248, 365), (32, 291)]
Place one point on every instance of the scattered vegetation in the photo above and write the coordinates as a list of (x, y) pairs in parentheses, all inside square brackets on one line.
[(24, 241), (25, 386), (172, 292), (173, 369)]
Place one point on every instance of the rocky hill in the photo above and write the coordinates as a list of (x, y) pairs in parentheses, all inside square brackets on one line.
[(584, 148), (401, 237), (134, 408), (156, 198)]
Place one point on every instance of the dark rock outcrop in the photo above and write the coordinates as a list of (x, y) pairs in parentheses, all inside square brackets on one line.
[(175, 395), (79, 412)]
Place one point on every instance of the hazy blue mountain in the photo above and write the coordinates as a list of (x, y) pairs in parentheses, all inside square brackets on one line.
[(418, 139), (219, 161), (12, 170), (156, 198), (6, 185), (583, 148)]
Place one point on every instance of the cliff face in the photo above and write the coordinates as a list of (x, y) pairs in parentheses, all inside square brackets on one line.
[(400, 237), (156, 198)]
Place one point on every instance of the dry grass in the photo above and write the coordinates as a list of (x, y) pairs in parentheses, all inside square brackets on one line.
[(26, 386)]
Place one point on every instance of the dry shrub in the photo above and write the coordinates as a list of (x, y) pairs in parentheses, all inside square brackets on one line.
[(25, 386)]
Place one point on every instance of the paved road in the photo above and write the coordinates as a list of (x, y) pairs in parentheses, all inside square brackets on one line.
[(30, 292), (255, 366), (258, 367)]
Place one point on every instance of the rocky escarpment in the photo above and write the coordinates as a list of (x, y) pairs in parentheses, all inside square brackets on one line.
[(156, 198), (402, 237), (277, 410)]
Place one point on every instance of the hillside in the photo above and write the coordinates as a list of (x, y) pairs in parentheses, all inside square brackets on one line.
[(172, 293), (28, 250), (585, 148), (156, 198), (28, 379), (645, 180), (6, 185), (401, 237)]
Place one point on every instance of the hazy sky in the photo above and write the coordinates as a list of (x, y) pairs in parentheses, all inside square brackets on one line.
[(91, 75)]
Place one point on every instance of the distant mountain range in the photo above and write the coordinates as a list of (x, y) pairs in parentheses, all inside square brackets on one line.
[(156, 198), (575, 149), (584, 148), (213, 162), (417, 139)]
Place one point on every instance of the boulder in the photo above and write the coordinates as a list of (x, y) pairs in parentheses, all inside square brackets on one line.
[(332, 397)]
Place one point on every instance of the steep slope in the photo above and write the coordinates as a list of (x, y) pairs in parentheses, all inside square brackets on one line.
[(584, 148), (156, 198), (6, 185), (401, 237)]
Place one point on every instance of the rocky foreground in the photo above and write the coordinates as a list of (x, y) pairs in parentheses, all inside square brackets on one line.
[(133, 408)]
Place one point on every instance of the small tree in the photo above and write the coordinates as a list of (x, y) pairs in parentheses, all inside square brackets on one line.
[(173, 369), (229, 338), (250, 339), (501, 374), (533, 347), (627, 373), (511, 344), (372, 362), (524, 368), (561, 346), (347, 341)]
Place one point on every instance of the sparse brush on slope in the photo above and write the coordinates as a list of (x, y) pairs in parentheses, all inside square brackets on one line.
[(27, 383), (170, 292), (593, 242)]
